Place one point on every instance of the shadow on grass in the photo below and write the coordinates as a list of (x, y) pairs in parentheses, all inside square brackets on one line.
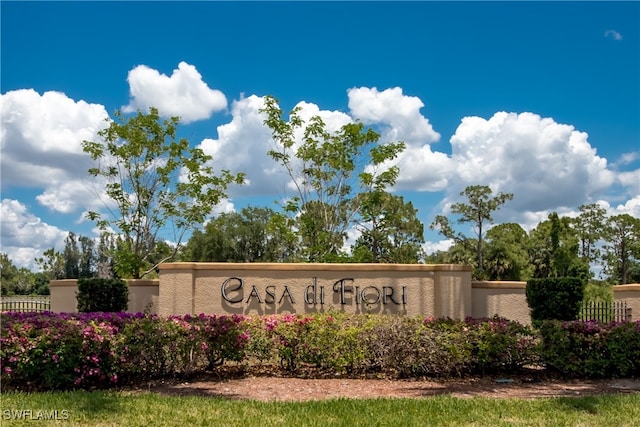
[(526, 389), (96, 402), (588, 404)]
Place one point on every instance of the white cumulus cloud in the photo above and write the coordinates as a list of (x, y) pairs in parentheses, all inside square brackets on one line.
[(398, 114), (243, 143), (182, 94), (546, 165), (631, 207), (399, 117), (25, 236), (630, 180), (41, 144)]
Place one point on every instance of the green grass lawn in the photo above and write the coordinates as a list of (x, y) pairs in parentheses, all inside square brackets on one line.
[(104, 408)]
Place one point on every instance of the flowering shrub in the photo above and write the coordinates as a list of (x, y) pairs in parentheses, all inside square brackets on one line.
[(86, 350), (591, 349), (49, 351), (289, 334), (446, 347), (221, 338), (500, 344), (89, 350), (393, 345)]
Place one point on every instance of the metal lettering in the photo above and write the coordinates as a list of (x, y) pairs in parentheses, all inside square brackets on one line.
[(342, 289), (313, 288), (390, 295), (363, 295), (254, 294), (270, 297), (238, 287), (286, 292)]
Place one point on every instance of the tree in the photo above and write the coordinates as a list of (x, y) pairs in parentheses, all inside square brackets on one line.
[(17, 281), (324, 168), (478, 209), (8, 274), (589, 226), (506, 253), (156, 183), (105, 264), (390, 230), (622, 234), (554, 250), (52, 264), (78, 256), (248, 236)]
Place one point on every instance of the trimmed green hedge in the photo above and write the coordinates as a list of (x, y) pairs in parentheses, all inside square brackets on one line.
[(102, 295), (557, 298)]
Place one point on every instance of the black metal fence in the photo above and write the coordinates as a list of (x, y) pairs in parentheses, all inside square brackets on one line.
[(25, 303), (606, 312)]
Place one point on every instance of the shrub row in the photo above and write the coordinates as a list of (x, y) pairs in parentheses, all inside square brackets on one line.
[(87, 350), (591, 349)]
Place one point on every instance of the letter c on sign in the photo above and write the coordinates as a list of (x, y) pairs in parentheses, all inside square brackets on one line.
[(228, 286)]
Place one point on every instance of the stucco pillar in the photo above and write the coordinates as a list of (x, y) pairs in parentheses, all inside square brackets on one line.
[(452, 293), (177, 288)]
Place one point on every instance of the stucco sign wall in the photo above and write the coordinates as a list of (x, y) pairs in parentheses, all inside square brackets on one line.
[(257, 288)]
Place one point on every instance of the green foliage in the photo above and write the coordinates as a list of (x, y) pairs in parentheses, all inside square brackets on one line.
[(589, 226), (104, 295), (327, 171), (591, 349), (252, 235), (156, 182), (478, 210), (506, 255), (598, 292), (154, 347), (622, 250), (554, 298), (79, 256), (554, 250), (20, 281), (390, 230), (43, 351), (52, 264), (392, 345)]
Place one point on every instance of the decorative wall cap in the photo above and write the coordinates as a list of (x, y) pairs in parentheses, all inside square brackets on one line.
[(498, 285), (130, 282), (627, 288), (311, 266)]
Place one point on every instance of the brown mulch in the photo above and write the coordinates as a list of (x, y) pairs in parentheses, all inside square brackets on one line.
[(274, 388)]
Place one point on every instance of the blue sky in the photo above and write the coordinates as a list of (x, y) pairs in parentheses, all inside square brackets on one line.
[(539, 99)]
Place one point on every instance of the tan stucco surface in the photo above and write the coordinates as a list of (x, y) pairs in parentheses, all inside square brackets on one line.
[(631, 295), (411, 289), (143, 295), (505, 299), (63, 295)]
